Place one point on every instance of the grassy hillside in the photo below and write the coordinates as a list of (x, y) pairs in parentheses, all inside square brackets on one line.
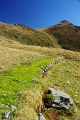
[(25, 35), (21, 84), (15, 54), (23, 87), (63, 35), (67, 34)]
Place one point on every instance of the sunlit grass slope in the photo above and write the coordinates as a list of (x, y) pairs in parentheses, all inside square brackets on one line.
[(14, 54), (25, 35), (21, 83), (24, 86), (16, 81)]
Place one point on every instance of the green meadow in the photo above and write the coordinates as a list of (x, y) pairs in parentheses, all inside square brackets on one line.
[(19, 86), (17, 80)]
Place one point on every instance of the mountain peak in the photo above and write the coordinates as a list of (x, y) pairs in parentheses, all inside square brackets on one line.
[(65, 22), (67, 35)]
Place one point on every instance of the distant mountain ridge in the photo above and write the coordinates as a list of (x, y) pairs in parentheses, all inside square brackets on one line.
[(62, 35)]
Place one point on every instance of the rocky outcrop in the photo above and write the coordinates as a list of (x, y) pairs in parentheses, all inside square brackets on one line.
[(61, 100), (56, 102)]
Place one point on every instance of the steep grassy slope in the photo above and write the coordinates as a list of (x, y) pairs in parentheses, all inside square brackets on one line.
[(67, 34), (24, 35), (64, 34), (13, 54), (21, 65), (20, 78)]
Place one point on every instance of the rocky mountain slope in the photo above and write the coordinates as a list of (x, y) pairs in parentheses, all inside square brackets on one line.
[(67, 34)]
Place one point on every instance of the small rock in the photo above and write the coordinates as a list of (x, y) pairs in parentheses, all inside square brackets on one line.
[(75, 95), (58, 61), (68, 82), (13, 108), (5, 94), (7, 115), (41, 117), (76, 92)]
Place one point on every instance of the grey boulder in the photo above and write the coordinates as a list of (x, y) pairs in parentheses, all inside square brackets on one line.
[(61, 99)]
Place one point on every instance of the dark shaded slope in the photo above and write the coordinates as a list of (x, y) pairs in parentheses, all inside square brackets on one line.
[(67, 34)]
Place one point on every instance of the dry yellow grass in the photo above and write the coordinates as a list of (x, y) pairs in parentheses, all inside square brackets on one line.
[(13, 53), (26, 113), (33, 99), (9, 27)]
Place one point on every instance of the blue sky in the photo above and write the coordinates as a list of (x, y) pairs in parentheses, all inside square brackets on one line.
[(39, 13)]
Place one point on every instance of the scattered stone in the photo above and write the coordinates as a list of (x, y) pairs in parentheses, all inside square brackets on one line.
[(68, 82), (13, 108), (41, 117), (58, 61), (5, 95), (76, 92), (75, 95), (45, 70), (7, 115)]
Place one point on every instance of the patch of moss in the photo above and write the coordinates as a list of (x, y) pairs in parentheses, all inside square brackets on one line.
[(48, 100)]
